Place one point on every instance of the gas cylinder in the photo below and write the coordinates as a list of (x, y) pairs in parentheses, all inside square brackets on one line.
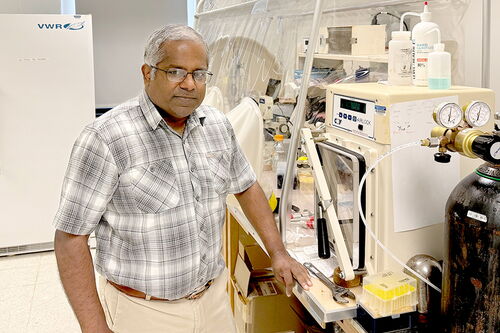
[(470, 299)]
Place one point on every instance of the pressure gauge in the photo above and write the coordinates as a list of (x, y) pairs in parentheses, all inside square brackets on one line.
[(448, 115), (477, 114)]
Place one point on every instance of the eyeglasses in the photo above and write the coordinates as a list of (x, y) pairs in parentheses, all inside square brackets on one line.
[(179, 74)]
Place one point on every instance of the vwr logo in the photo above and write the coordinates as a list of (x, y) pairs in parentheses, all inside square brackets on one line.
[(68, 26)]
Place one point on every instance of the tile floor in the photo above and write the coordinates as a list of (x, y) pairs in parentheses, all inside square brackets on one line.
[(32, 299)]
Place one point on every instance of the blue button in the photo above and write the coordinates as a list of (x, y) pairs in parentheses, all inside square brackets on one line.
[(349, 117), (345, 116), (340, 114)]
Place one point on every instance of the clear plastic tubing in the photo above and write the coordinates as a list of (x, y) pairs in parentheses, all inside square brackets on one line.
[(362, 214)]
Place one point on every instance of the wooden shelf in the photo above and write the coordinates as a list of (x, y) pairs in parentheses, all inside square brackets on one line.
[(383, 58)]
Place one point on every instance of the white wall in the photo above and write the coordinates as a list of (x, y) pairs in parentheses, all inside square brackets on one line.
[(473, 43), (495, 51), (473, 29), (30, 6), (120, 32)]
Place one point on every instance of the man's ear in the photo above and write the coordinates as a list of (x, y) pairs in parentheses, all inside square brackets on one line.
[(146, 73)]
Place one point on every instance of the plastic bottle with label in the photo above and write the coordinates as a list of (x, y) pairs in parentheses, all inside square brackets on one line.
[(439, 73), (400, 59), (423, 44), (279, 153)]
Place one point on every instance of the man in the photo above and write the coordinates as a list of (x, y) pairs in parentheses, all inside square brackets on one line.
[(151, 178)]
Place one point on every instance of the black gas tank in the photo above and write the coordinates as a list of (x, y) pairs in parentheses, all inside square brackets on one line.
[(471, 289)]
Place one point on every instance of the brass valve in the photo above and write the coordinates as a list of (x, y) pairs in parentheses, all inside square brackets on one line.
[(469, 142)]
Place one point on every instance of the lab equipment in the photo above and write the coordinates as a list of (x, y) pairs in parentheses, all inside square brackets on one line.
[(265, 106), (423, 43), (339, 293), (477, 113), (470, 277), (304, 45), (47, 97), (369, 120), (389, 293), (400, 59), (429, 300), (322, 234), (333, 226), (439, 66), (322, 46), (247, 123), (279, 153), (343, 169), (357, 39), (448, 115), (470, 284)]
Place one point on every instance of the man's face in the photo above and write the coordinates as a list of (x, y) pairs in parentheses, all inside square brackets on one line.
[(178, 99)]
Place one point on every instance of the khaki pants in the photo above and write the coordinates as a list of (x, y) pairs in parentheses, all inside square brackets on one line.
[(209, 313)]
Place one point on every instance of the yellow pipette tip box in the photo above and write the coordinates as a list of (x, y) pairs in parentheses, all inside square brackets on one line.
[(389, 293)]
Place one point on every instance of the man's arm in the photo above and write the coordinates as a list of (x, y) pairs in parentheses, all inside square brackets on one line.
[(257, 210), (77, 276)]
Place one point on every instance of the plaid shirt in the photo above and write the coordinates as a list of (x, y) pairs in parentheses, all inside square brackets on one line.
[(155, 199)]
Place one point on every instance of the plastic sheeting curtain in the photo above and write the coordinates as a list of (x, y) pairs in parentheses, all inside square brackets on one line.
[(254, 41)]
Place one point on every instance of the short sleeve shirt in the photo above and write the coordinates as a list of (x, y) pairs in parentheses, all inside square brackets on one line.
[(155, 198)]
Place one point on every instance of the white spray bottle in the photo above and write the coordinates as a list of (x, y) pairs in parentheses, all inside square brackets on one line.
[(423, 44)]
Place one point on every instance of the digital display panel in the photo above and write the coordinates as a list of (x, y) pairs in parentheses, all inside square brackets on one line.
[(352, 105)]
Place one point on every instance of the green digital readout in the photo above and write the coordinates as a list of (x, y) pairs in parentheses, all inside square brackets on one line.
[(352, 105)]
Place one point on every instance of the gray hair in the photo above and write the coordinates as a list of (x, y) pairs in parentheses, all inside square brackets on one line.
[(154, 53)]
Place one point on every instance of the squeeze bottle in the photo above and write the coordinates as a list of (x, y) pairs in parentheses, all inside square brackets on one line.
[(439, 73), (423, 44)]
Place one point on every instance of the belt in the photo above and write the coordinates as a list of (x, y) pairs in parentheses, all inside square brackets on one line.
[(139, 294)]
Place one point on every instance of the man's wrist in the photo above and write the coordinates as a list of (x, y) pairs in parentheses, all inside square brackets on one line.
[(278, 252)]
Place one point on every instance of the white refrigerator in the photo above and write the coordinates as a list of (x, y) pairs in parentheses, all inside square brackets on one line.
[(46, 98)]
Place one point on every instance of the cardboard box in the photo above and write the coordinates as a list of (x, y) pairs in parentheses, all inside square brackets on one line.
[(255, 258), (260, 303)]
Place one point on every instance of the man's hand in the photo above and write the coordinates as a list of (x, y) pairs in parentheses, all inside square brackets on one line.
[(286, 270), (256, 209)]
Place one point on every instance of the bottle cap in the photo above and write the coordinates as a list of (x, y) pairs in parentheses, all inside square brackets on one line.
[(426, 16), (439, 47), (278, 137), (401, 35)]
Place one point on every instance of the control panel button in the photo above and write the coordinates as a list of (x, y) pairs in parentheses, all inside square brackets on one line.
[(360, 127)]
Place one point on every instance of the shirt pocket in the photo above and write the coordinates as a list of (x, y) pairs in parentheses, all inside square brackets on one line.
[(219, 165), (154, 187)]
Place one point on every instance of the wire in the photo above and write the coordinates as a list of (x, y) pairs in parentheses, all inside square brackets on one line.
[(279, 107), (375, 20), (361, 213)]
